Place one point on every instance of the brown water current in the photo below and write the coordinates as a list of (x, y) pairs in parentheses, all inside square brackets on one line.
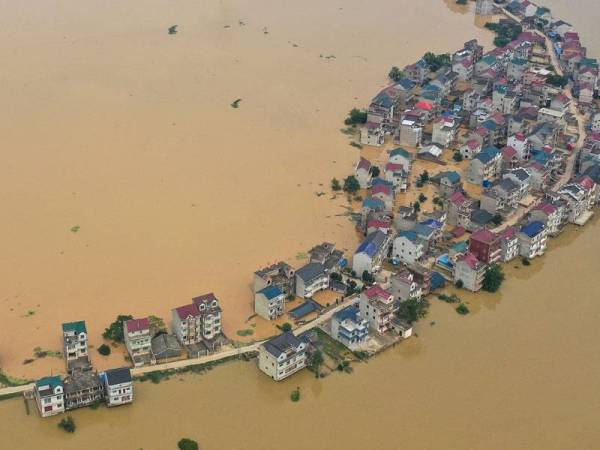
[(110, 124)]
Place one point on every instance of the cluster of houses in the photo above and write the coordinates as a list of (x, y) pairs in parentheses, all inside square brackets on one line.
[(83, 386)]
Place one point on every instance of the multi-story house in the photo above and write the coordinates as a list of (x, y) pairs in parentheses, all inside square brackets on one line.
[(550, 216), (486, 246), (575, 196), (485, 166), (378, 307), (199, 321), (138, 340), (510, 244), (75, 345), (484, 7), (470, 271), (533, 239), (408, 247), (118, 386), (82, 388), (363, 173), (404, 286), (349, 328), (269, 303), (371, 253), (311, 278), (444, 131), (460, 207), (49, 396), (281, 275), (282, 356)]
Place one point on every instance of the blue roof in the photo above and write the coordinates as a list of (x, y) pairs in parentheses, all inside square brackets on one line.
[(271, 292), (384, 100), (378, 181), (77, 327), (460, 246), (423, 230), (372, 244), (400, 151), (453, 176), (437, 281), (487, 154), (305, 309), (490, 125), (373, 203), (432, 223), (410, 235), (406, 83), (532, 228), (49, 381), (348, 313)]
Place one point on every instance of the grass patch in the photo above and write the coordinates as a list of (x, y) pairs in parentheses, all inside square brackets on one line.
[(246, 332), (10, 396), (9, 381), (38, 352), (449, 298)]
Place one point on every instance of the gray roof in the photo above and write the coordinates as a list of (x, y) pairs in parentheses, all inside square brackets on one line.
[(118, 376), (310, 271), (282, 343)]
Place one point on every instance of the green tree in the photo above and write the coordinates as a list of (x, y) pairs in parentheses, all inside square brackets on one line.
[(187, 444), (157, 324), (422, 198), (413, 309), (351, 184), (417, 206), (355, 117), (295, 395), (104, 350), (316, 362), (115, 331), (395, 74), (67, 424), (493, 278), (286, 327), (424, 177), (457, 157), (368, 277), (335, 185), (435, 62), (375, 171), (462, 309)]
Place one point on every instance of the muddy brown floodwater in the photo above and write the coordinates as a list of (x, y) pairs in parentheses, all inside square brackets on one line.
[(112, 125)]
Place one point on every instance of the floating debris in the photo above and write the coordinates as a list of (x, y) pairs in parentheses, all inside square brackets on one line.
[(75, 229), (227, 26), (241, 23), (173, 29), (265, 30), (236, 103)]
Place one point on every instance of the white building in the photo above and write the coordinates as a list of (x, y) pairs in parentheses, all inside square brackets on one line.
[(49, 396), (75, 344), (533, 239), (408, 247), (282, 356), (199, 321), (118, 386), (484, 7), (138, 340), (370, 254), (310, 279), (378, 307), (269, 302), (349, 328), (470, 271)]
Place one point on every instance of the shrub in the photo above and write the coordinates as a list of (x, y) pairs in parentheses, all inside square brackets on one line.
[(459, 284), (462, 309), (457, 157), (285, 327), (413, 309), (187, 444), (395, 74), (526, 261), (104, 350), (351, 184), (493, 278), (67, 424), (115, 330), (295, 395), (335, 185), (356, 116)]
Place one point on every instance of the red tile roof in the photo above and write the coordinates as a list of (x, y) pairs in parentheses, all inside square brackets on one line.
[(458, 198), (188, 310), (134, 325), (377, 292), (484, 235), (547, 208)]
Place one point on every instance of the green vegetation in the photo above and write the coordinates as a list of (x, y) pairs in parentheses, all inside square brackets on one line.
[(351, 184), (38, 352), (422, 198), (236, 103), (356, 145), (355, 117), (435, 62), (67, 424), (505, 32), (75, 229), (459, 284), (8, 381), (417, 206), (462, 2), (525, 261), (285, 327), (424, 177), (104, 350), (449, 298), (557, 80), (335, 185), (295, 395), (375, 171), (395, 74), (9, 396), (462, 309), (413, 309), (187, 444), (335, 276), (115, 331), (493, 278), (157, 324), (316, 361), (246, 332), (173, 29), (497, 219), (457, 157), (368, 277)]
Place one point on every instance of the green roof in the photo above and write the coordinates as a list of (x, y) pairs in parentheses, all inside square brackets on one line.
[(400, 151), (49, 381), (77, 327)]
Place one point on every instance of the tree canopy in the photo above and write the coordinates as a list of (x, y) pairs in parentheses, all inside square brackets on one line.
[(493, 278), (115, 331)]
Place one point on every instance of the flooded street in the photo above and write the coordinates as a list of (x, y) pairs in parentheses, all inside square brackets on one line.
[(114, 126)]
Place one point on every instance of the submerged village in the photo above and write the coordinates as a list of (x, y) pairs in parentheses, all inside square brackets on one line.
[(468, 161)]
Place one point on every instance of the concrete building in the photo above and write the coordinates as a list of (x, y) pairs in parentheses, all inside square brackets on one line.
[(349, 328), (408, 247), (118, 386), (310, 279), (486, 246), (378, 307), (404, 286), (199, 321), (82, 388), (280, 274), (470, 271), (138, 340), (269, 303), (75, 345), (484, 7), (282, 356), (49, 396), (371, 253), (533, 239)]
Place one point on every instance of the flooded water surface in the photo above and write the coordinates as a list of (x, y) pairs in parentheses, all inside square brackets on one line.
[(114, 126)]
